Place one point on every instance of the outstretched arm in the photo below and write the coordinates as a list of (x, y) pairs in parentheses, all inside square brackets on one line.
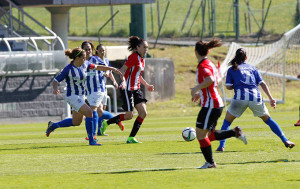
[(265, 88), (111, 76), (149, 87)]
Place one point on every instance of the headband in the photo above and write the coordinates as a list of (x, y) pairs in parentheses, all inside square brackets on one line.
[(78, 53)]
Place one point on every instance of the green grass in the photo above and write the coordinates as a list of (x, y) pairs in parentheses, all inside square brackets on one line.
[(282, 12), (64, 160)]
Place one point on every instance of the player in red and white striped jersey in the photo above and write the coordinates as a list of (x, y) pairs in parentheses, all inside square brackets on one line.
[(132, 96), (212, 105)]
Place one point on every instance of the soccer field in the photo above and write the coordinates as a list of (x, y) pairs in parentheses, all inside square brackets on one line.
[(28, 159)]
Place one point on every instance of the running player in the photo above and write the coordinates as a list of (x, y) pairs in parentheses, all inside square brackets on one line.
[(132, 96), (211, 102), (245, 79), (75, 75), (100, 55)]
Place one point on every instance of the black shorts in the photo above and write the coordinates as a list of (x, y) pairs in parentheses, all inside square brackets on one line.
[(208, 118), (131, 99)]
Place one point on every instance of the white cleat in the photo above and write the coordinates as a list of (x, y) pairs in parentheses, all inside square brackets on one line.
[(207, 166), (240, 135)]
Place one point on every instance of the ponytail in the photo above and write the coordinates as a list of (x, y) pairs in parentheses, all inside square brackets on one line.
[(202, 47), (133, 42), (72, 54), (240, 57)]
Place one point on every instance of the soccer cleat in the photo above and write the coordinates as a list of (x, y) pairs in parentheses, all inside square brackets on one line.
[(220, 149), (289, 144), (104, 125), (298, 123), (94, 143), (240, 135), (121, 126), (207, 166), (87, 138), (50, 128), (132, 140)]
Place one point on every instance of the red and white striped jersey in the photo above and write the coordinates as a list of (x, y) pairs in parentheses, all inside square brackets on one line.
[(136, 65), (210, 97)]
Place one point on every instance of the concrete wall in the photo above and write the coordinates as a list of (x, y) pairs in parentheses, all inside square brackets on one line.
[(30, 98)]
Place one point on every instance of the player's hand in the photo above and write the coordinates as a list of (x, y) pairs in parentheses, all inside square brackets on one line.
[(150, 88), (196, 98), (106, 75), (116, 85), (193, 92), (56, 91), (273, 103), (123, 85)]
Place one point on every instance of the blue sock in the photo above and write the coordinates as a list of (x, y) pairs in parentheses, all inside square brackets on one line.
[(95, 122), (105, 115), (276, 129), (63, 123), (89, 128), (225, 126)]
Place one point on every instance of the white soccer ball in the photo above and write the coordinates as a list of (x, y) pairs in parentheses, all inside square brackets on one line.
[(188, 134)]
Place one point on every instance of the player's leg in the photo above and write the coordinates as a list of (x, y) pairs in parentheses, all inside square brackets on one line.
[(127, 98), (202, 130), (75, 102), (140, 106), (236, 109), (88, 113), (142, 113)]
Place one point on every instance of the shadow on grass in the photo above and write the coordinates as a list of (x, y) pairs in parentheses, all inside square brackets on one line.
[(142, 170), (183, 153), (255, 162), (41, 147)]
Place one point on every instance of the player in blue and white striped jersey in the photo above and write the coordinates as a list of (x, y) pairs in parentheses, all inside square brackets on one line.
[(100, 54), (75, 75), (244, 79)]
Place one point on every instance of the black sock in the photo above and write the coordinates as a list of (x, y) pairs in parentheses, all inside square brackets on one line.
[(222, 134), (115, 120), (136, 126), (207, 153)]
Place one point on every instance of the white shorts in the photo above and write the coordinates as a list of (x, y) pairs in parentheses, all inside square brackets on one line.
[(104, 100), (237, 108), (95, 98), (75, 102)]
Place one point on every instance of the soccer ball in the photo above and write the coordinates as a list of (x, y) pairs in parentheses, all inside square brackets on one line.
[(189, 134)]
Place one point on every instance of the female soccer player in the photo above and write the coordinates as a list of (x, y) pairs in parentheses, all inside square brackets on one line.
[(100, 52), (132, 96), (75, 75), (211, 102), (245, 79)]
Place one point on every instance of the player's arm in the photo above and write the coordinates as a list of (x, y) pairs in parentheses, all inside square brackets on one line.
[(111, 76), (206, 83), (265, 88), (149, 87)]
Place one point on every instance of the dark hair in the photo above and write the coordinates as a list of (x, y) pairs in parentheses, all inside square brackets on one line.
[(202, 47), (240, 57), (87, 42), (72, 54), (133, 42), (98, 46)]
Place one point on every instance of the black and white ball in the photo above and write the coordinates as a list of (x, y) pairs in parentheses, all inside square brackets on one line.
[(188, 134)]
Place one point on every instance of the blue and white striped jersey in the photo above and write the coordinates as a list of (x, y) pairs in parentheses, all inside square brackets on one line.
[(94, 78), (105, 62), (245, 81), (75, 78)]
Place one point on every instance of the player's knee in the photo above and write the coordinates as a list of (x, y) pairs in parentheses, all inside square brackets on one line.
[(76, 122), (128, 115)]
